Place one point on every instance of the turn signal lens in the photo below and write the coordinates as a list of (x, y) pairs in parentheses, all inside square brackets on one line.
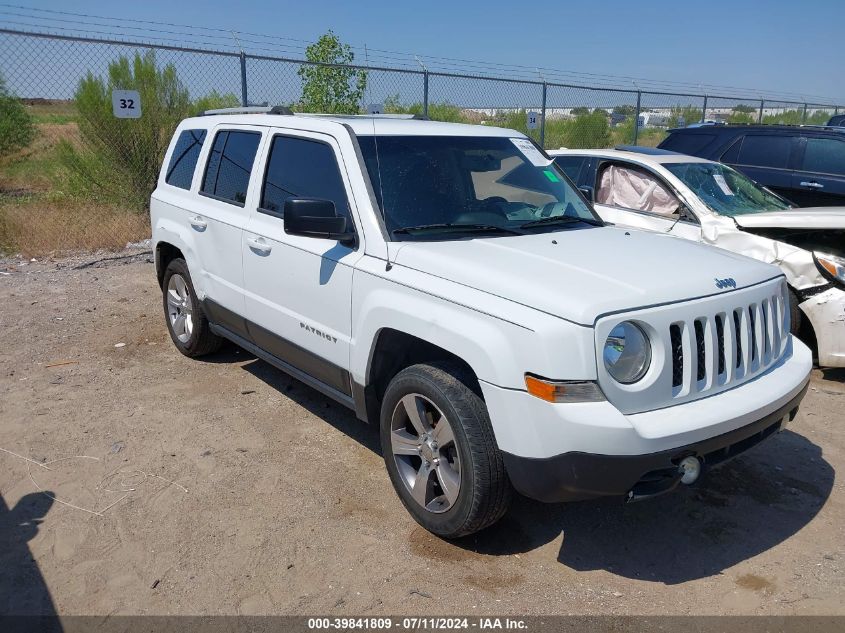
[(563, 391), (833, 265)]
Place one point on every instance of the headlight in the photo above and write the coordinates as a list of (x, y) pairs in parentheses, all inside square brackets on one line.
[(831, 266), (627, 353)]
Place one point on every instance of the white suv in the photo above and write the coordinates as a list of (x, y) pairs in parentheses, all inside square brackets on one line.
[(447, 282)]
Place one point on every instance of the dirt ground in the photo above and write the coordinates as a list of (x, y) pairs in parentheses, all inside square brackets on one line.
[(222, 486)]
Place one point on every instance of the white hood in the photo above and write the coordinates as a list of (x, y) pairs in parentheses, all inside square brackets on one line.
[(588, 272), (805, 218)]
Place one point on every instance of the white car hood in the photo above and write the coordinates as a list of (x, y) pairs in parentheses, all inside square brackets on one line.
[(805, 218), (581, 274)]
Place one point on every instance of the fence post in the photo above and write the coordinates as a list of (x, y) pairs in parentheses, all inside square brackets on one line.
[(637, 117), (543, 118), (704, 110), (244, 100), (760, 114), (425, 93), (804, 114)]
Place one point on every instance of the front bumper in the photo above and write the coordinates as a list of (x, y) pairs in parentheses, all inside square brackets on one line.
[(575, 476), (826, 312)]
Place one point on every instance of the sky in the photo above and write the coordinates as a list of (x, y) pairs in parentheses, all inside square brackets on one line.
[(769, 46)]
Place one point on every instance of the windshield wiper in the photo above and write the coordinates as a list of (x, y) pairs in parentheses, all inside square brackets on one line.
[(457, 227), (557, 219)]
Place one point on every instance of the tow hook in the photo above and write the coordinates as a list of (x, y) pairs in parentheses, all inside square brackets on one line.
[(690, 469)]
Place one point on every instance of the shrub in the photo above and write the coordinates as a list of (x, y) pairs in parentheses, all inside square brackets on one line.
[(17, 129), (443, 111), (587, 131), (214, 101), (120, 158)]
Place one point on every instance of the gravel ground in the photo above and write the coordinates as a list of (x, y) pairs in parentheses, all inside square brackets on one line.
[(222, 486)]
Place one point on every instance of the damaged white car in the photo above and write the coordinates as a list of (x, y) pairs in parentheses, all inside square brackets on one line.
[(706, 201)]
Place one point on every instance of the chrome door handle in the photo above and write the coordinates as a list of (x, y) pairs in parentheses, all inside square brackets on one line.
[(259, 245), (811, 183), (198, 222)]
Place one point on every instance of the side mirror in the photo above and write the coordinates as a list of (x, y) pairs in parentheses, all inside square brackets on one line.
[(313, 217), (588, 193)]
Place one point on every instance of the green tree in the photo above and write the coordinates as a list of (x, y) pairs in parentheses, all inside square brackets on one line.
[(580, 110), (17, 128), (336, 88), (627, 110), (120, 158)]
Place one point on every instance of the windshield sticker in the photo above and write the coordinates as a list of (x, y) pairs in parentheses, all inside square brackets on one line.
[(530, 152), (552, 176), (723, 185)]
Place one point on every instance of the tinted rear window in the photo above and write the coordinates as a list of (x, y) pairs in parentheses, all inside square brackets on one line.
[(761, 150), (230, 164), (183, 162), (687, 143), (825, 156)]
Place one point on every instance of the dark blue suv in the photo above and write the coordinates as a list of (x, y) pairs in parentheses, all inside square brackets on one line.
[(803, 163)]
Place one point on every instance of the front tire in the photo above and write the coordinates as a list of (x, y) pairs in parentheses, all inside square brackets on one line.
[(440, 451), (188, 326)]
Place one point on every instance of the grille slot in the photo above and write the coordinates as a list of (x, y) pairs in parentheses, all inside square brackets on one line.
[(752, 322), (720, 341), (677, 355), (701, 373), (738, 338)]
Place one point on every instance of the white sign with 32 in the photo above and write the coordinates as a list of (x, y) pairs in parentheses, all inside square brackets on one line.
[(126, 104)]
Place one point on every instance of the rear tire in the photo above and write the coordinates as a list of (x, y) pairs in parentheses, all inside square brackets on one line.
[(188, 326), (440, 451)]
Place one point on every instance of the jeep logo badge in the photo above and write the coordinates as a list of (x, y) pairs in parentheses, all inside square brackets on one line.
[(725, 283)]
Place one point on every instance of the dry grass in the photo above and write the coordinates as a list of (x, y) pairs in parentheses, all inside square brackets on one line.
[(38, 213), (38, 226)]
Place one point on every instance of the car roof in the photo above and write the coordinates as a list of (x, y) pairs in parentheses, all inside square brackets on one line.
[(361, 125), (739, 128), (646, 156)]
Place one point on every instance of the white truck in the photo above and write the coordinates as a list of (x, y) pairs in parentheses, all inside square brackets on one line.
[(449, 284)]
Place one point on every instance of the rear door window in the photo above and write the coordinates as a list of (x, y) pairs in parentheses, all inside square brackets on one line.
[(824, 156), (230, 165), (765, 150), (183, 161)]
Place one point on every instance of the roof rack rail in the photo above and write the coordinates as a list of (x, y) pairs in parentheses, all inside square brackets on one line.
[(416, 117), (251, 110)]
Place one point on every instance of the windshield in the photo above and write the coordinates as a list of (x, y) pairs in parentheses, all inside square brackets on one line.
[(725, 190), (446, 187)]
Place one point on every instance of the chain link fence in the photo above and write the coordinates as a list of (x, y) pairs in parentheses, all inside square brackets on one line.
[(77, 178)]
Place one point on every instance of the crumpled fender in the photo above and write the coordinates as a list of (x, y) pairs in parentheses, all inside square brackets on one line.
[(796, 263)]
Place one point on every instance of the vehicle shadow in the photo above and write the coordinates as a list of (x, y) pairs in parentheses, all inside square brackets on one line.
[(315, 402), (837, 374), (737, 511), (23, 591)]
